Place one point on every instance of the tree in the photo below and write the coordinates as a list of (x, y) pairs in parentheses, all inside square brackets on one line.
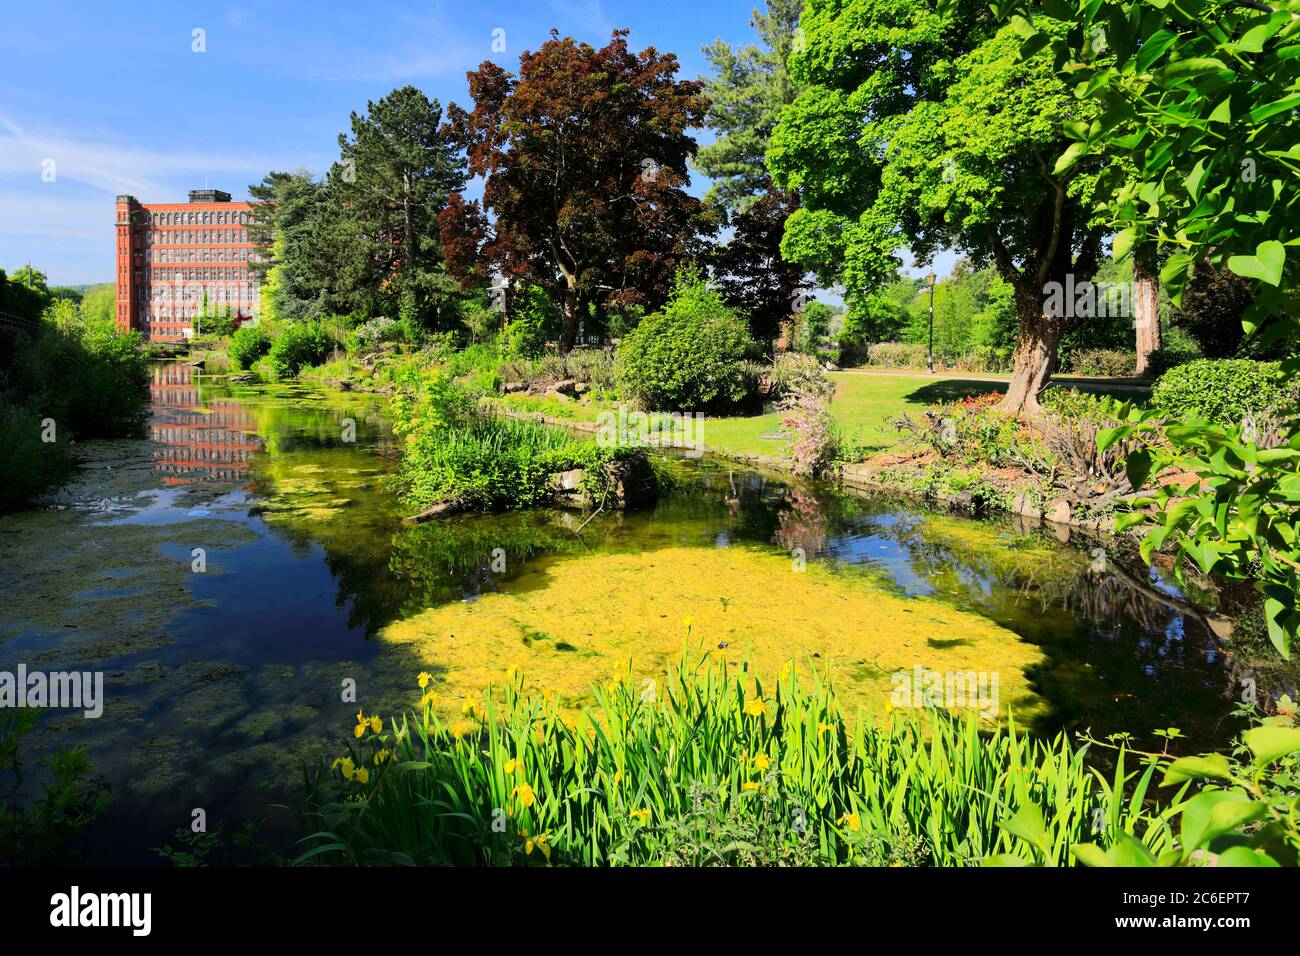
[(1213, 303), (393, 178), (25, 293), (583, 156), (1203, 97), (295, 280), (747, 92), (99, 304), (1146, 311), (749, 269), (926, 128)]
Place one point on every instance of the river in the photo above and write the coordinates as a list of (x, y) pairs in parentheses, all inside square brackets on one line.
[(235, 572)]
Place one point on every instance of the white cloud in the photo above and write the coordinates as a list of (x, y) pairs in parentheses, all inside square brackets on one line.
[(110, 166)]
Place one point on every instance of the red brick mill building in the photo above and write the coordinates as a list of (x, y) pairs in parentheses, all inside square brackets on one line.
[(174, 257)]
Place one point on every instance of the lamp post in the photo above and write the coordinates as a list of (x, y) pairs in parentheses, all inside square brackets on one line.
[(929, 355)]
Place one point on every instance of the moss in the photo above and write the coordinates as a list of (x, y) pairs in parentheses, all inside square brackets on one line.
[(617, 609)]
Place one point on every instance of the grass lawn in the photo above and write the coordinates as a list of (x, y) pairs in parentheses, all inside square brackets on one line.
[(865, 405)]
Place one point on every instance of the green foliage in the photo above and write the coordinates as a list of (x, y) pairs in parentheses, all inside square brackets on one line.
[(814, 327), (50, 830), (25, 293), (374, 333), (1202, 98), (794, 373), (99, 304), (248, 344), (28, 464), (971, 431), (689, 357), (1224, 392), (457, 452), (1163, 359), (922, 126), (653, 781), (1244, 813), (896, 355), (534, 320), (298, 344), (88, 378), (749, 87)]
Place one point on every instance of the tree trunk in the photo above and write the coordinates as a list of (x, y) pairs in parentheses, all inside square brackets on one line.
[(1146, 312), (1035, 355), (572, 316)]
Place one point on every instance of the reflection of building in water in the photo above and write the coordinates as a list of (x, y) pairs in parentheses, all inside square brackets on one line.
[(193, 445)]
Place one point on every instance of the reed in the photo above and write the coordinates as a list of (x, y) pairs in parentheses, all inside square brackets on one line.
[(707, 766)]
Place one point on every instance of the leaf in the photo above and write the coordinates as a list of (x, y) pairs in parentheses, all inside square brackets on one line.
[(1266, 264), (1269, 744), (1069, 158), (1108, 436), (1267, 110), (1029, 826), (1089, 854), (1253, 40), (1129, 852), (1192, 66), (1213, 813), (1154, 48), (1123, 242), (1197, 768), (1245, 856), (1137, 464)]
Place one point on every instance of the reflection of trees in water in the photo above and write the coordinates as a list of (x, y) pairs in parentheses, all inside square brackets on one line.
[(803, 523)]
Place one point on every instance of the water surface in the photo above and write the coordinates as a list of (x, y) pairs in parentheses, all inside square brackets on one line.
[(230, 572)]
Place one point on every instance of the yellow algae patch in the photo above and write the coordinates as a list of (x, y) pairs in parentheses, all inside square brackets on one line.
[(571, 623)]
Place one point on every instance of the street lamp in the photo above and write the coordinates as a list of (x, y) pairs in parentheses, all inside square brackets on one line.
[(929, 355)]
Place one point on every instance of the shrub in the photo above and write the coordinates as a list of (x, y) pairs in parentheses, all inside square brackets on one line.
[(690, 356), (793, 373), (815, 439), (298, 345), (971, 431), (373, 333), (984, 358), (896, 355), (456, 451), (1103, 362), (534, 320), (1162, 360), (28, 464), (248, 344), (1223, 391), (90, 379)]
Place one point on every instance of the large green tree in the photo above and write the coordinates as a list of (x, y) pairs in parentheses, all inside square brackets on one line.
[(749, 87), (584, 158), (394, 176), (924, 128), (1202, 97), (285, 228)]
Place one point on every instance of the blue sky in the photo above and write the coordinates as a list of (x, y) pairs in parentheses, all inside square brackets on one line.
[(115, 96)]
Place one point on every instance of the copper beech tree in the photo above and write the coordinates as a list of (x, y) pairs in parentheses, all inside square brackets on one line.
[(583, 156)]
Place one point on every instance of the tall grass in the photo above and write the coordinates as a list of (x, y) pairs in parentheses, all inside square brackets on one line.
[(702, 766)]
